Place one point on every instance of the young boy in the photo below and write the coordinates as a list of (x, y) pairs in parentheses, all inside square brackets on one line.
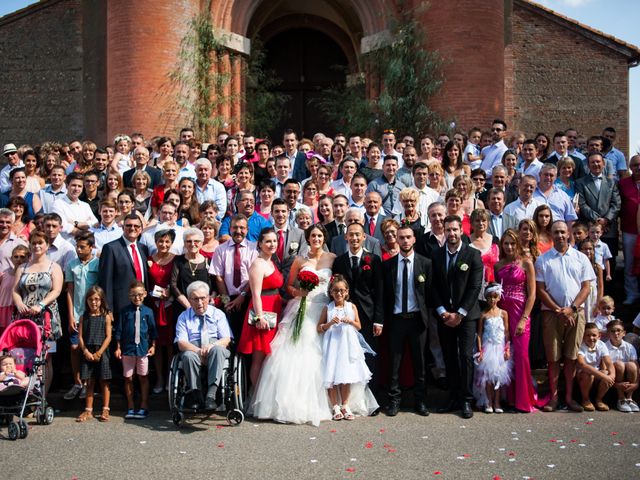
[(472, 155), (580, 231), (603, 253), (80, 274), (625, 362), (135, 342), (606, 307), (594, 366)]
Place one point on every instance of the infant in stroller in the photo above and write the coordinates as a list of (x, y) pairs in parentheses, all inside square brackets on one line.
[(9, 374)]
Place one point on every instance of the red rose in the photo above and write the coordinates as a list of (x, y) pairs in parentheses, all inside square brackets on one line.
[(367, 260), (366, 268), (217, 302)]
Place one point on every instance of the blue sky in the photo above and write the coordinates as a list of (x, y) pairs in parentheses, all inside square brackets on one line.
[(615, 17)]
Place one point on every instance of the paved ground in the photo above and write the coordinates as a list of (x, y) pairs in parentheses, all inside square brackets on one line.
[(510, 446)]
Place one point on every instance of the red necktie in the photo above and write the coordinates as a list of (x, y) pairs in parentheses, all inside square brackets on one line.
[(136, 262), (236, 266), (372, 226), (280, 250)]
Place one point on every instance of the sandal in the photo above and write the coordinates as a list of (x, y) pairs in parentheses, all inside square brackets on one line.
[(84, 416), (105, 415), (337, 413), (347, 413)]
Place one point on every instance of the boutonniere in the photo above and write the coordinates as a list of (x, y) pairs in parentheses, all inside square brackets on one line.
[(422, 278), (367, 263), (293, 247), (463, 267)]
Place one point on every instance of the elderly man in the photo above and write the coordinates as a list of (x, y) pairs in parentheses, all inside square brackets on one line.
[(525, 205), (549, 193), (563, 279), (230, 267), (339, 244), (202, 336), (209, 189), (599, 201), (374, 216), (245, 204), (10, 153), (141, 156), (389, 187), (348, 168)]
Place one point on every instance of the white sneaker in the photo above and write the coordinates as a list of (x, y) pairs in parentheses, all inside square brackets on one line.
[(73, 392), (623, 406), (488, 409), (633, 406)]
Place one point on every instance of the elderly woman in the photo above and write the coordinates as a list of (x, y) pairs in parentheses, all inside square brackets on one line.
[(304, 217), (436, 179), (566, 167), (454, 207), (210, 230), (161, 302), (170, 176), (188, 268), (37, 286), (310, 198), (464, 186), (409, 198), (142, 193), (484, 242), (389, 247)]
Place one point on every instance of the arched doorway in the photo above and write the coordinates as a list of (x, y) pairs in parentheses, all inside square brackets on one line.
[(307, 61)]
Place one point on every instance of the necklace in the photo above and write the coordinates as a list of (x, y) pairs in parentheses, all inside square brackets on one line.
[(193, 269)]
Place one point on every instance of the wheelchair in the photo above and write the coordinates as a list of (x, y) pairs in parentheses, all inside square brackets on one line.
[(231, 396)]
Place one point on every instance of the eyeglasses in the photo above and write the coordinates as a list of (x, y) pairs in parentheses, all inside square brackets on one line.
[(129, 225), (478, 179), (617, 330), (136, 295)]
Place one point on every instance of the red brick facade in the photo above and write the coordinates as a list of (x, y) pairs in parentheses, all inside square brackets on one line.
[(91, 69)]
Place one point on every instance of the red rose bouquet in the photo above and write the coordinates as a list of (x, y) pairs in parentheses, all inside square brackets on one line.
[(307, 281)]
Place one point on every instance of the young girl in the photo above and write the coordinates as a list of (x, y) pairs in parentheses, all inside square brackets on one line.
[(494, 358), (94, 331), (625, 363), (596, 287), (122, 159), (594, 367), (606, 307), (343, 350)]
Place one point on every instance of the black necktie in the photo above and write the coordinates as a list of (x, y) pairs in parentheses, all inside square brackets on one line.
[(354, 266), (340, 229), (452, 257), (405, 286)]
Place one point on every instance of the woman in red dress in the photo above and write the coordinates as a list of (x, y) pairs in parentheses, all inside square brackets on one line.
[(265, 280), (159, 299)]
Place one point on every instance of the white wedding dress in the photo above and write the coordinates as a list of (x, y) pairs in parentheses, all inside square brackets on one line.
[(290, 388)]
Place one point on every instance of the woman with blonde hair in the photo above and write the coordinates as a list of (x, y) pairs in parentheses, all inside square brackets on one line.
[(464, 186), (528, 235)]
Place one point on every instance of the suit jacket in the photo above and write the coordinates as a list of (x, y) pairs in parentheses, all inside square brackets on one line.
[(154, 173), (339, 245), (603, 204), (116, 273), (429, 243), (377, 233), (300, 171), (508, 221), (332, 231), (422, 282), (465, 285), (365, 289), (294, 245)]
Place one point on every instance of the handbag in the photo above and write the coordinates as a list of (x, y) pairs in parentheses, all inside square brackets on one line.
[(270, 317)]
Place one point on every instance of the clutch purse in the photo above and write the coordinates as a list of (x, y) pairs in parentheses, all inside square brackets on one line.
[(270, 317)]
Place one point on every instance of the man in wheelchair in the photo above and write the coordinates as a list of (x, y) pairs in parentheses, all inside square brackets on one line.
[(203, 336)]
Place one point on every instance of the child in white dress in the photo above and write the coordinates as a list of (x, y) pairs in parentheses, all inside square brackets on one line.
[(343, 350), (494, 364)]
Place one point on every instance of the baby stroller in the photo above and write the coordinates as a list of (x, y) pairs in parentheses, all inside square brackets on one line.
[(24, 340), (231, 394)]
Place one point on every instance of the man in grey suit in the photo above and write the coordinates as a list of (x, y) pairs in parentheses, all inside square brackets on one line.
[(599, 201), (291, 241), (339, 243), (499, 220), (374, 216)]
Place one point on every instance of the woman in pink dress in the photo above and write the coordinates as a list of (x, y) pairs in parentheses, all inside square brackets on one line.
[(517, 275)]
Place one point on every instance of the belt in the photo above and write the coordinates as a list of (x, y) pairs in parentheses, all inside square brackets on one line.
[(406, 315), (270, 291)]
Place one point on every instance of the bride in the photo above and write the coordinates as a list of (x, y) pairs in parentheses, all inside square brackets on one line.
[(290, 388)]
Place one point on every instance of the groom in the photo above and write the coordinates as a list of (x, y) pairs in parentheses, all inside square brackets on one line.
[(407, 280), (363, 272)]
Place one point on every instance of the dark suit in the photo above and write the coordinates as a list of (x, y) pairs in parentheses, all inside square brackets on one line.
[(458, 292), (339, 245), (332, 231), (117, 272), (293, 235), (377, 233), (300, 171), (603, 204), (429, 244), (154, 173), (412, 326)]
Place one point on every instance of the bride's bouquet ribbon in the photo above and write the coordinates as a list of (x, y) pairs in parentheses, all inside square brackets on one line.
[(307, 281)]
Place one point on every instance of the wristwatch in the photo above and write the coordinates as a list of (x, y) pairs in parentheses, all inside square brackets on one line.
[(574, 308), (75, 224), (244, 293)]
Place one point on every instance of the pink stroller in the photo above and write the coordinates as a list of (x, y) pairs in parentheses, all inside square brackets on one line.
[(25, 341)]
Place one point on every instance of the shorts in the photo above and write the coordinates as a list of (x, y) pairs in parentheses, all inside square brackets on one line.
[(74, 337), (52, 346), (131, 363), (560, 340)]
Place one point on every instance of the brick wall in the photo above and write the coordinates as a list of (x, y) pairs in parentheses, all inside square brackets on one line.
[(41, 74), (559, 79)]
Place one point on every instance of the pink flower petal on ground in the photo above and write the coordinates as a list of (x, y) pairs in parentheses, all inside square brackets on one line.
[(221, 445), (588, 423), (218, 427), (512, 454), (333, 430), (614, 433), (553, 440), (382, 430), (497, 477), (386, 445), (368, 445), (351, 470), (391, 450), (573, 440), (437, 472)]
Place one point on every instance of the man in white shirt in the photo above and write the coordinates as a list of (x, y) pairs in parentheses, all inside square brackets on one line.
[(108, 230), (60, 250), (76, 215), (525, 205), (388, 147), (558, 201), (427, 194), (181, 154), (53, 190), (531, 165), (343, 185), (563, 282), (209, 189), (492, 155)]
